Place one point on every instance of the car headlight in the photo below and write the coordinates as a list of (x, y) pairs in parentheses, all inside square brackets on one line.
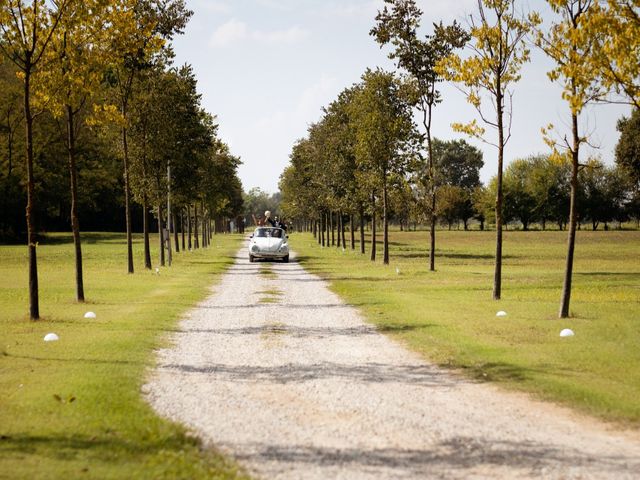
[(255, 248)]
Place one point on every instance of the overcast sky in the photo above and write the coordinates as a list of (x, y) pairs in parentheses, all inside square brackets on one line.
[(267, 67)]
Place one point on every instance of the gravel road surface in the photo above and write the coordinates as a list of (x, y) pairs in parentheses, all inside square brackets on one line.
[(276, 371)]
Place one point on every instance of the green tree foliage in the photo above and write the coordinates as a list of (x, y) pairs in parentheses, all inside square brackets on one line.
[(398, 24), (12, 205), (360, 152), (547, 181), (257, 201), (628, 161), (628, 147), (454, 204), (602, 194), (297, 185), (458, 165), (385, 137), (520, 202)]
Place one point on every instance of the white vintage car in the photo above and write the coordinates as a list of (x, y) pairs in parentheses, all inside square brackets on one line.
[(269, 242)]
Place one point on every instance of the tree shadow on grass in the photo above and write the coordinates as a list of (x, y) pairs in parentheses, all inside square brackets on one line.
[(496, 371), (107, 446), (85, 238), (607, 274), (390, 328), (384, 278), (90, 361)]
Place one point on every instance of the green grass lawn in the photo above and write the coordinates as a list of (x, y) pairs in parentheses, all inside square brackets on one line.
[(450, 318), (73, 408)]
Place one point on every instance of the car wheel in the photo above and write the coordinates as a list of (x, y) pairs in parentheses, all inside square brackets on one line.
[(285, 259), (251, 258)]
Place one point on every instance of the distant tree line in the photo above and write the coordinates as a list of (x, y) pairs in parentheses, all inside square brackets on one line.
[(99, 130), (366, 159), (256, 202)]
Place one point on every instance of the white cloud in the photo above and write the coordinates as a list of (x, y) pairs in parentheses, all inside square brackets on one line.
[(367, 8), (291, 35), (228, 33), (237, 31), (307, 109), (214, 6)]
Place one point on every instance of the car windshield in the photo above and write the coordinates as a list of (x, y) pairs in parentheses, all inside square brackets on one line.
[(269, 232)]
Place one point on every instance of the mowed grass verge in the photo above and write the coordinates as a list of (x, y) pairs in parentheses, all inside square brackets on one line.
[(449, 315), (74, 408)]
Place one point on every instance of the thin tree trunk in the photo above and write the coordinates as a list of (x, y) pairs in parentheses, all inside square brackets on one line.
[(362, 246), (385, 224), (426, 120), (573, 209), (328, 225), (353, 239), (196, 244), (344, 242), (189, 227), (339, 226), (145, 227), (160, 236), (175, 231), (333, 233), (127, 197), (182, 226), (75, 223), (373, 228), (204, 228), (497, 277), (34, 304), (168, 239)]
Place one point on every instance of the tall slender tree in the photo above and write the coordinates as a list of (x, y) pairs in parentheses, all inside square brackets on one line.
[(143, 26), (27, 29), (487, 75), (73, 75), (570, 44), (399, 26)]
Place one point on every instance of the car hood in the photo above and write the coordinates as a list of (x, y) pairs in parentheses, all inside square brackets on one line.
[(268, 244)]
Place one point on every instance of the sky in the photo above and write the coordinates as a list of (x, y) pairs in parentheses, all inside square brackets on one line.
[(267, 67)]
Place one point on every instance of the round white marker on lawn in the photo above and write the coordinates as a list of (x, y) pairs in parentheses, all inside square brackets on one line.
[(89, 315), (501, 313), (50, 337), (567, 332)]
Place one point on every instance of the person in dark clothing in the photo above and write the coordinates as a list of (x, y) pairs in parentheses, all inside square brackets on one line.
[(279, 224), (274, 222)]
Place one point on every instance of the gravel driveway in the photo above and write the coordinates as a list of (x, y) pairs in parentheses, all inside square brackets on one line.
[(276, 371)]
